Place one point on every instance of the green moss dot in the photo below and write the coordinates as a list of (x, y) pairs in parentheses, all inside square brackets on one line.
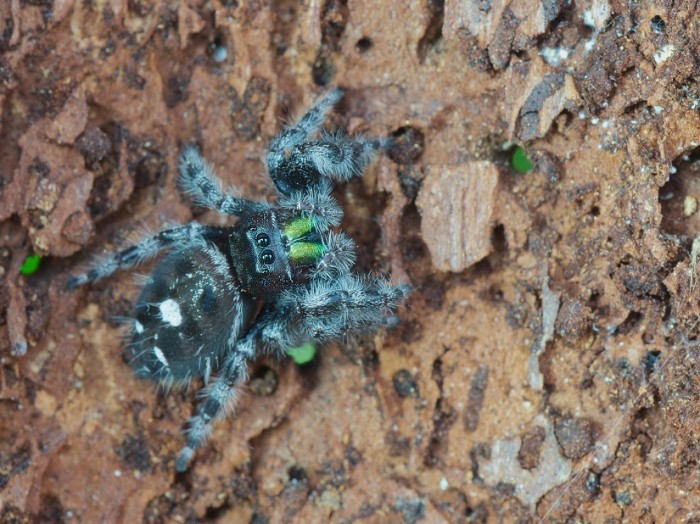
[(302, 354), (31, 264), (520, 162)]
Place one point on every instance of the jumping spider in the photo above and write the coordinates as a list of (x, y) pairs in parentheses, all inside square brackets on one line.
[(277, 279)]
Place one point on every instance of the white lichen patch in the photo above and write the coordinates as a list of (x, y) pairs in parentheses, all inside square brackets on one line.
[(530, 485), (550, 309), (694, 256), (690, 206), (664, 53), (597, 16), (554, 56)]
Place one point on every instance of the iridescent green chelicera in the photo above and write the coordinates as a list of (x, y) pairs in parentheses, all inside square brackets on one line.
[(304, 246), (305, 252), (298, 228)]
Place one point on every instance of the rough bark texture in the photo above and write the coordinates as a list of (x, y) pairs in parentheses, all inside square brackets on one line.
[(547, 371)]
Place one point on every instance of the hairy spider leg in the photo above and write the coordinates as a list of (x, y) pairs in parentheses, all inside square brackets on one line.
[(198, 180), (296, 163), (325, 311), (338, 256), (316, 204), (301, 130), (219, 397), (146, 249), (329, 309), (333, 155)]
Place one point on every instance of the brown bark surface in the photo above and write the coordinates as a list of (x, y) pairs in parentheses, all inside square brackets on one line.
[(546, 368)]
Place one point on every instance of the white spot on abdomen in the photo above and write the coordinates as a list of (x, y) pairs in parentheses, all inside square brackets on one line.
[(138, 327), (170, 312), (160, 356)]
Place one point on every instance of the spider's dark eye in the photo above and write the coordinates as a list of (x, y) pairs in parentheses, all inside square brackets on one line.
[(262, 240), (267, 257)]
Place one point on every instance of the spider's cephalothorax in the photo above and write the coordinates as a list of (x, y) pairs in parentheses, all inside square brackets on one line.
[(278, 278)]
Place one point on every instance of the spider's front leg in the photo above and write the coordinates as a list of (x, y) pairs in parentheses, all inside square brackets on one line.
[(297, 164), (198, 180)]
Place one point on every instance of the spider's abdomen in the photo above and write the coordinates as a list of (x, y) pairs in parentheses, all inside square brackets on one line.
[(189, 310)]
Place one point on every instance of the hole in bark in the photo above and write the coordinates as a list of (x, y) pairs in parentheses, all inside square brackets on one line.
[(498, 239), (630, 323), (263, 381), (658, 24), (407, 145), (433, 33), (364, 44), (679, 196), (297, 474), (322, 71), (650, 361)]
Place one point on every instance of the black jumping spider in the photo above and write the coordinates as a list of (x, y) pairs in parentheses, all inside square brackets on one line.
[(277, 279)]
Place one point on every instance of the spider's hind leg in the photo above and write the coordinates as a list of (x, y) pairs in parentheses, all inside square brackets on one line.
[(145, 250), (218, 398)]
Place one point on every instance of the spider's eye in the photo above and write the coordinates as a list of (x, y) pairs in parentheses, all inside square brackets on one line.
[(267, 257), (263, 240)]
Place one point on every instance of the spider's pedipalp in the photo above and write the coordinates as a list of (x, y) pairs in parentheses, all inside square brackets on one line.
[(338, 256), (315, 203)]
